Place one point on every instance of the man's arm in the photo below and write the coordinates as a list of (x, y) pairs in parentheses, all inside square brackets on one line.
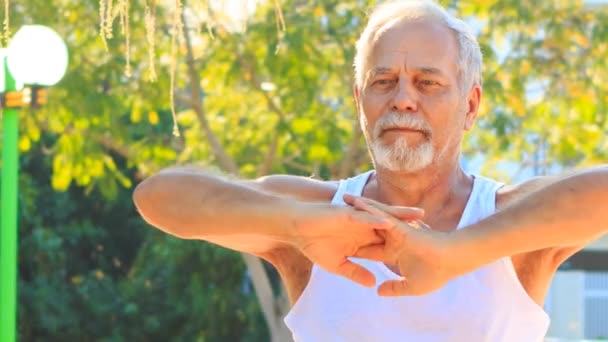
[(246, 215), (249, 216), (570, 211)]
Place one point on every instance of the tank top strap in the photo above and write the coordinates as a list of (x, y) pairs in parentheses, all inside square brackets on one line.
[(352, 186), (488, 188), (482, 201)]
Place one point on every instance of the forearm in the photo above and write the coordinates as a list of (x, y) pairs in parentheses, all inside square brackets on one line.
[(196, 205), (571, 211)]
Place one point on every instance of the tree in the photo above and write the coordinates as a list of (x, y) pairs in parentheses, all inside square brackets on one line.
[(90, 269), (545, 83)]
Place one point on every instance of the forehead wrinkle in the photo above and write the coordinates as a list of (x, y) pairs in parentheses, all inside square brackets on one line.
[(429, 70), (378, 70), (379, 47)]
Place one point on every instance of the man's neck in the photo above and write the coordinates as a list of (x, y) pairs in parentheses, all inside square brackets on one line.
[(438, 191)]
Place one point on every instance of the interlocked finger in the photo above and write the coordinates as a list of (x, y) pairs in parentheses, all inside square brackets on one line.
[(393, 288), (356, 273)]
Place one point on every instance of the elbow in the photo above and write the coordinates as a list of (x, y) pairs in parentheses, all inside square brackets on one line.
[(146, 196), (155, 200), (140, 197)]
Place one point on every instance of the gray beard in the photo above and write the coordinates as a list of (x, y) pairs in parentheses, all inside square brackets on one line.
[(399, 157)]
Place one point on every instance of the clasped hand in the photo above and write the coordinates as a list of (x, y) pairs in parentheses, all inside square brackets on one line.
[(328, 235), (421, 254)]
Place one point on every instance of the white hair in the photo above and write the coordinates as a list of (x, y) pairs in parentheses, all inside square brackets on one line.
[(469, 54)]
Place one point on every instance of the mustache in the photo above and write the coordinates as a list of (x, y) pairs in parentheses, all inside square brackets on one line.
[(399, 120)]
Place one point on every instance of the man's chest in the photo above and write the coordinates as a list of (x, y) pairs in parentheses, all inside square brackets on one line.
[(534, 271), (476, 306)]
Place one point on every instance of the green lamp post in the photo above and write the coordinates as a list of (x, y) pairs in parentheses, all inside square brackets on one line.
[(36, 57)]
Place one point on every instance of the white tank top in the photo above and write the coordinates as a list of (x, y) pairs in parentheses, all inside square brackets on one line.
[(488, 304)]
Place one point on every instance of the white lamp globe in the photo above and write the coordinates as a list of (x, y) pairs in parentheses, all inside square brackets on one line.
[(37, 56)]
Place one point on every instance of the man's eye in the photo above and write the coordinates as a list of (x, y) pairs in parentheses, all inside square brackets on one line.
[(383, 83), (428, 83)]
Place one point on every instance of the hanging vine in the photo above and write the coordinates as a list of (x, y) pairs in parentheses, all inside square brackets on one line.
[(109, 19), (6, 26), (107, 15), (150, 22), (280, 22), (177, 30), (106, 22), (127, 34), (106, 25), (102, 23)]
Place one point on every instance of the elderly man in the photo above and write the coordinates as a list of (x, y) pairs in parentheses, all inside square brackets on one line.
[(416, 249)]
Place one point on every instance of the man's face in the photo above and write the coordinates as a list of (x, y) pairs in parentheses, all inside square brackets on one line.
[(411, 107)]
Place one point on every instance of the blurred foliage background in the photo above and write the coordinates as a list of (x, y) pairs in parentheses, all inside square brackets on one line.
[(252, 98)]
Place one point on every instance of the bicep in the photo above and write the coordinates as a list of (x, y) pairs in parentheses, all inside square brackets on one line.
[(513, 193), (295, 187)]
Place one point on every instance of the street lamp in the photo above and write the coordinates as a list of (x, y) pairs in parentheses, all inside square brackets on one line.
[(36, 58)]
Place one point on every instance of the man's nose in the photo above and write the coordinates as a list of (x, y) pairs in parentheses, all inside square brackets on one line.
[(406, 98)]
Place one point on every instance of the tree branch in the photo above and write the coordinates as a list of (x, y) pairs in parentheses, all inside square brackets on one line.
[(255, 83), (270, 154), (259, 277), (223, 158)]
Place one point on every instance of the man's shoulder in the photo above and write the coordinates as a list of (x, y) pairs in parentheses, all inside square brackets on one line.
[(511, 193), (299, 187)]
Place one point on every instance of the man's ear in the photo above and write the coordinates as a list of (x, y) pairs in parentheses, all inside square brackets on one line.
[(473, 101)]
